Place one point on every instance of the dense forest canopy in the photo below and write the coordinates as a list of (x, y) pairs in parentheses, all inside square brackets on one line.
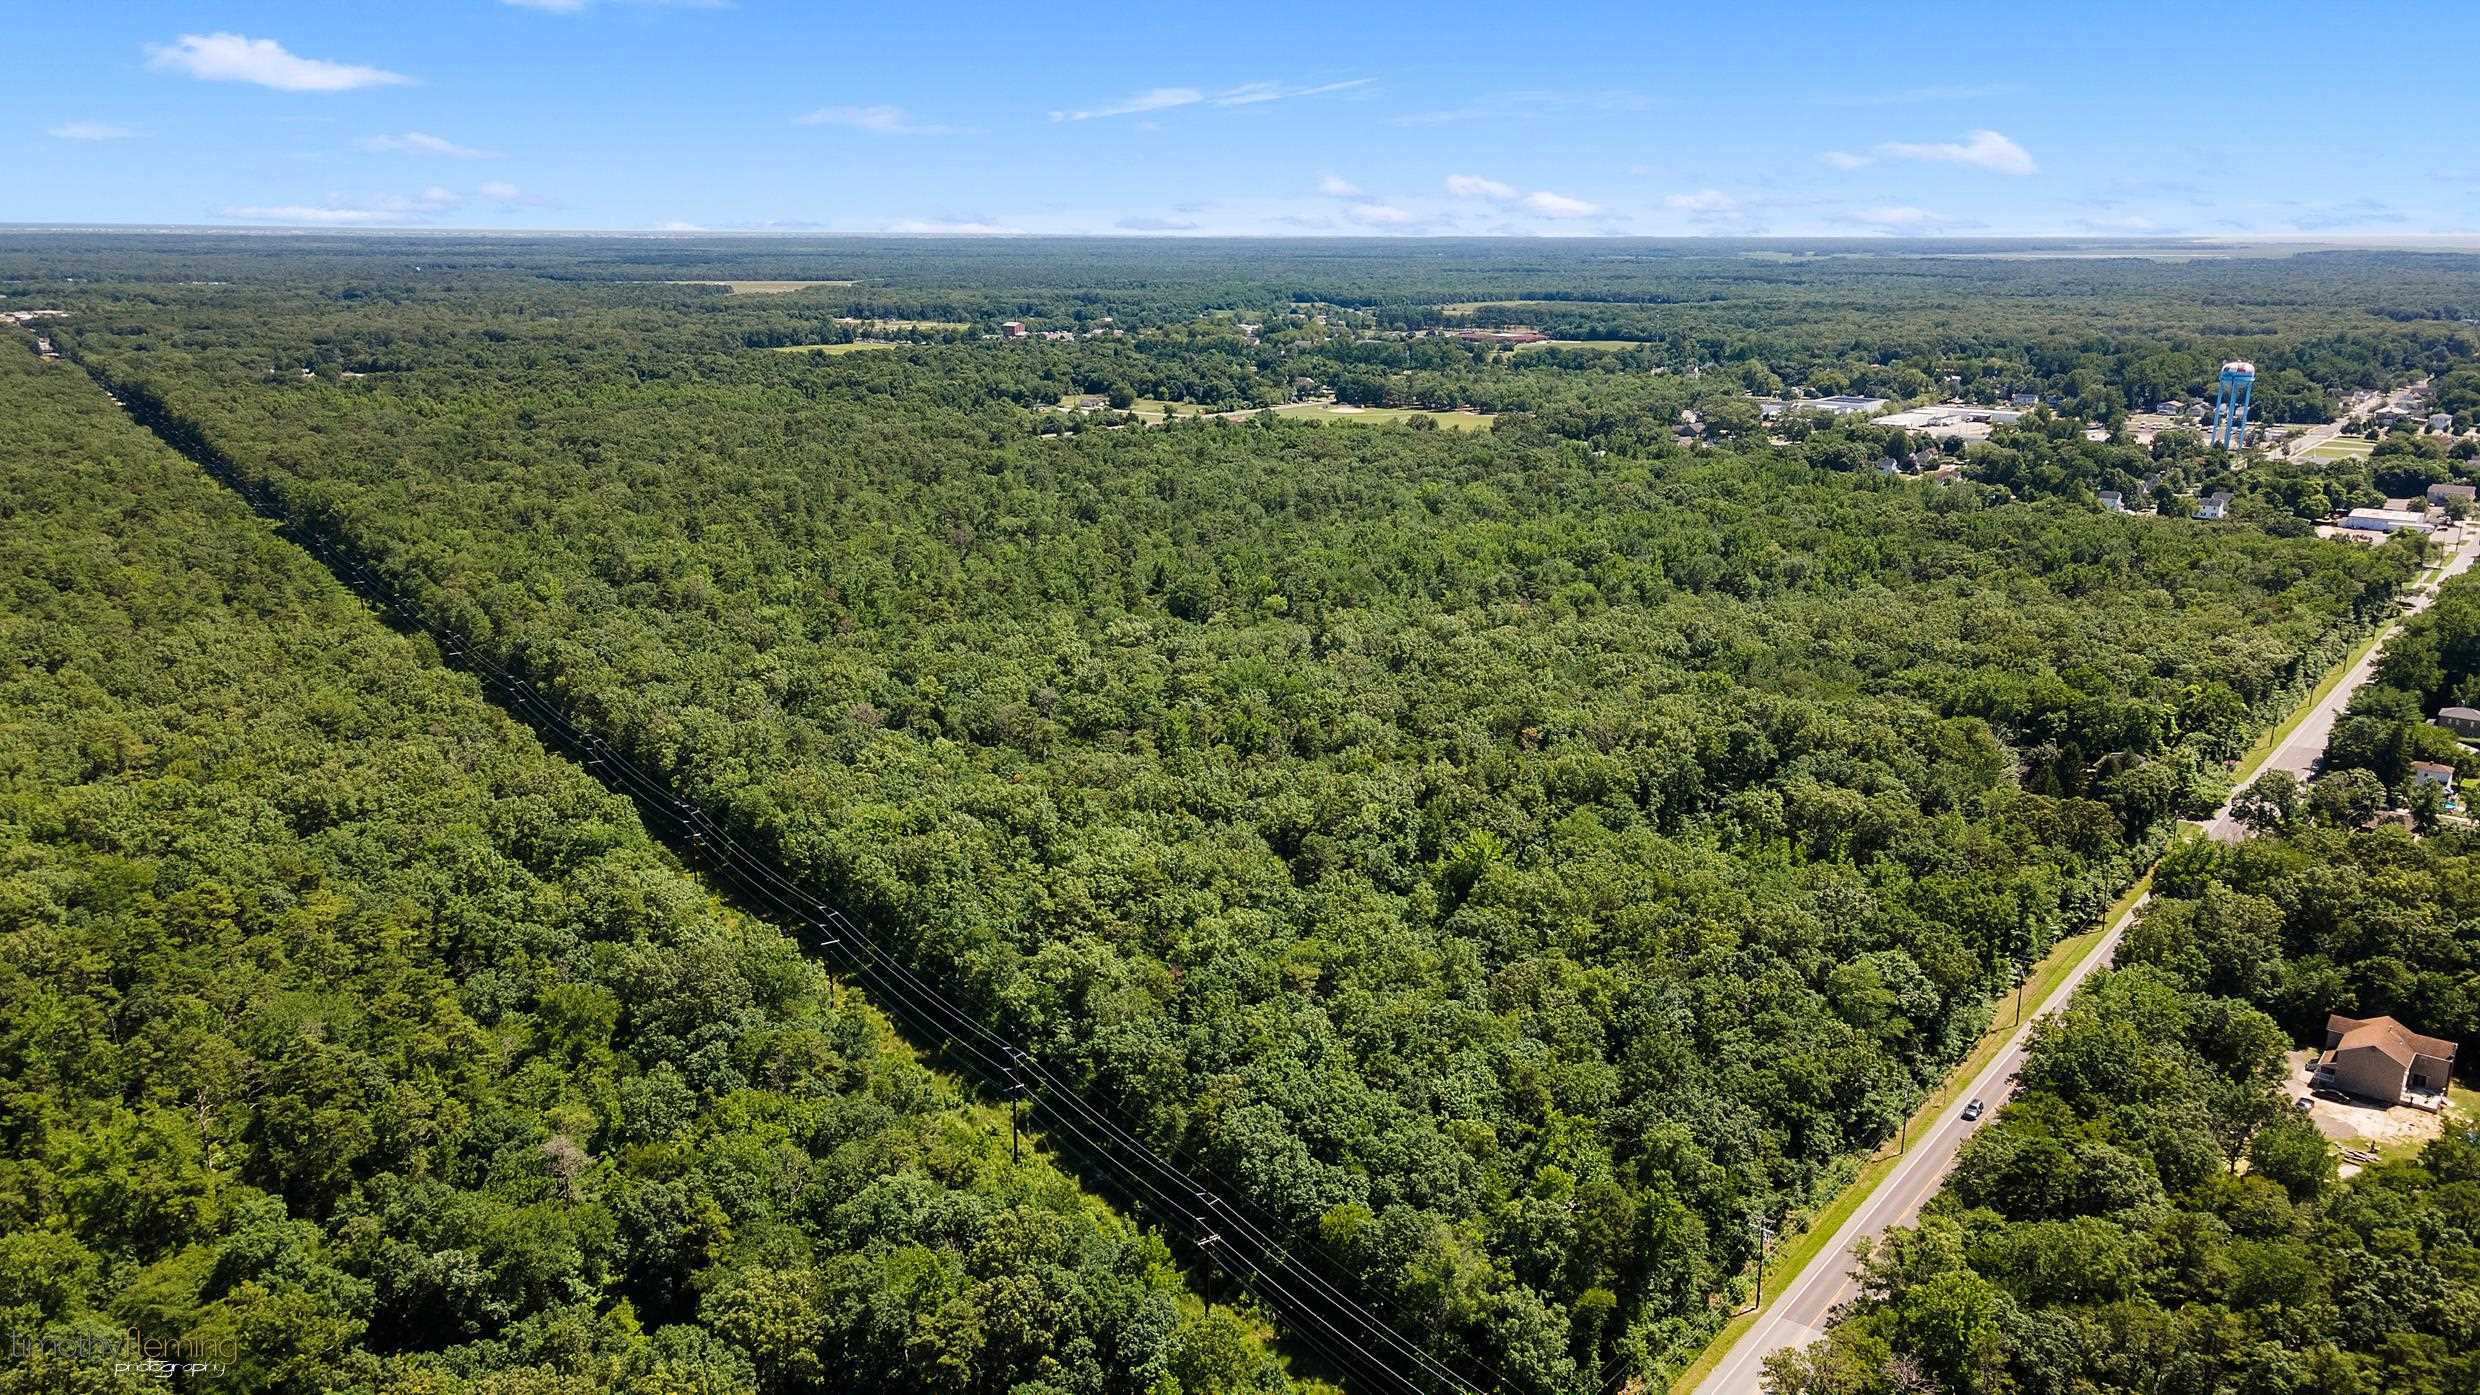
[(352, 1042), (1514, 860)]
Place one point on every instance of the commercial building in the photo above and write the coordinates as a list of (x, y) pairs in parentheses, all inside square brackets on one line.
[(2448, 493), (1843, 405), (2386, 521)]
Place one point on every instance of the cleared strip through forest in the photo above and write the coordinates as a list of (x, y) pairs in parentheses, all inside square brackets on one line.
[(1214, 1224)]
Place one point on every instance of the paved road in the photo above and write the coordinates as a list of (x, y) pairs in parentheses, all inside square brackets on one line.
[(1798, 1315), (2301, 750)]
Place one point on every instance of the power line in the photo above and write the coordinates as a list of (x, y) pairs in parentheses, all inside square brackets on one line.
[(1219, 1231)]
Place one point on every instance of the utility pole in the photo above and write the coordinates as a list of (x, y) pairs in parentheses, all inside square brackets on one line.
[(1208, 1245), (1765, 1234)]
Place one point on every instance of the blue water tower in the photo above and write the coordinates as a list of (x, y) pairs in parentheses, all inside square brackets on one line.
[(2230, 403)]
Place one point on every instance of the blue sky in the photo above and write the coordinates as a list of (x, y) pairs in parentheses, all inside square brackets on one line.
[(1578, 119)]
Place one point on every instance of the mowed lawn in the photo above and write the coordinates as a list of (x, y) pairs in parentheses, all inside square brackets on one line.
[(1583, 344), (852, 348), (2341, 448), (1385, 416)]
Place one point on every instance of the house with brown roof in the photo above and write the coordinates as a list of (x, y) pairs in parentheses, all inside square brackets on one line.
[(2377, 1058)]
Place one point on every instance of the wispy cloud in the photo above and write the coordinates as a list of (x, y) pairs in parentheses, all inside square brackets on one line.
[(1550, 205), (423, 143), (1251, 93), (1845, 160), (1246, 94), (2352, 213), (222, 57), (879, 121), (1524, 106), (1335, 186), (1540, 201), (936, 227), (1985, 150), (1703, 201), (390, 210), (1917, 96), (1473, 186), (90, 130), (1904, 218), (1153, 99), (1146, 224), (1379, 215)]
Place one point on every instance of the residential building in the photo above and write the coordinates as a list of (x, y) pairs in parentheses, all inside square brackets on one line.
[(2213, 505), (2441, 422), (2429, 772), (1012, 329), (2462, 721), (2024, 399), (2112, 501), (2447, 493), (2377, 1058)]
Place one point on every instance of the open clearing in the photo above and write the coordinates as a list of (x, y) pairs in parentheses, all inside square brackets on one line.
[(852, 348), (1613, 344), (761, 287), (1385, 416), (2340, 448), (904, 324)]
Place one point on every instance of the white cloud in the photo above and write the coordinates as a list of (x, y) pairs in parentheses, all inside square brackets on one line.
[(675, 225), (920, 227), (1250, 93), (309, 213), (1845, 160), (1904, 218), (1540, 201), (1246, 94), (423, 143), (1378, 215), (90, 130), (501, 191), (1985, 150), (1473, 186), (394, 210), (879, 121), (1154, 99), (1550, 205), (224, 57), (1702, 201), (1338, 187)]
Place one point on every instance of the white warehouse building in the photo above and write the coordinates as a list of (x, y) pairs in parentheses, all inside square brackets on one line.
[(2386, 521)]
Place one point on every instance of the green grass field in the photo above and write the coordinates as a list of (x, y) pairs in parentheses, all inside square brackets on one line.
[(853, 348), (2341, 448), (1582, 344), (1385, 416)]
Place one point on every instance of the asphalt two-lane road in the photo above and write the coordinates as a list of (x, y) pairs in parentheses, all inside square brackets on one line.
[(1798, 1313)]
